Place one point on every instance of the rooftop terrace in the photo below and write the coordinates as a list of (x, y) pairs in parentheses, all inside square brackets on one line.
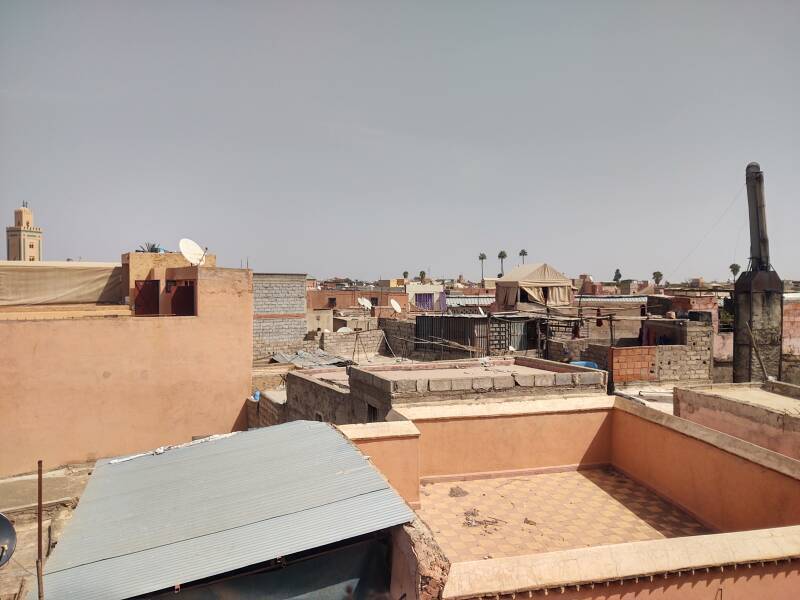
[(563, 494), (530, 514)]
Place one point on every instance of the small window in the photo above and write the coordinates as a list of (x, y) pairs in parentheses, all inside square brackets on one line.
[(374, 301), (32, 258), (372, 413), (30, 245), (331, 302), (318, 416)]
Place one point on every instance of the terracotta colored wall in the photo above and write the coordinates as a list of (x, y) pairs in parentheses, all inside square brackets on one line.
[(769, 429), (79, 389), (633, 364), (464, 446), (150, 265), (723, 490), (397, 458), (770, 582), (791, 328)]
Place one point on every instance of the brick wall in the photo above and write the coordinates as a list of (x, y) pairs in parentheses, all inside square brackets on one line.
[(692, 361), (279, 314), (633, 364)]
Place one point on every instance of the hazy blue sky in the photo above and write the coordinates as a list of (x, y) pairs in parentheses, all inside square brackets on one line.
[(368, 138)]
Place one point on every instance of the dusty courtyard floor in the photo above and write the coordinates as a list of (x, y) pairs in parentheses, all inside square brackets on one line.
[(512, 516)]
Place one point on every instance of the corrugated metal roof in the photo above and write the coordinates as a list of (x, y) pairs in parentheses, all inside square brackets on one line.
[(192, 512)]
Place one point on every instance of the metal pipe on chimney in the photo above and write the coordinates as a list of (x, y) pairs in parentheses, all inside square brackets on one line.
[(759, 242)]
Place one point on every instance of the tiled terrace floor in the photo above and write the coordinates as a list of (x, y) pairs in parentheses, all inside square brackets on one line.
[(513, 516)]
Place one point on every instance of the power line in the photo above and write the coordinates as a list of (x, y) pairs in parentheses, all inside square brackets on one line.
[(707, 233)]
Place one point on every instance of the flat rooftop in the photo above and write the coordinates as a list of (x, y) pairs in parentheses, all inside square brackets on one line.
[(759, 397), (514, 516), (467, 372)]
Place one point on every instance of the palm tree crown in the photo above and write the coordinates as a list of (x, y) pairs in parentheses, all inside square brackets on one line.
[(523, 253), (482, 257)]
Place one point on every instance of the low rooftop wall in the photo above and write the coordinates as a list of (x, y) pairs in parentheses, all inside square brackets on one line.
[(776, 428), (559, 379), (727, 484)]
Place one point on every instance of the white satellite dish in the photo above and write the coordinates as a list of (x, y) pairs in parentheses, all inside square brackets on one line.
[(344, 330), (365, 303), (395, 305), (480, 310), (193, 252), (512, 349)]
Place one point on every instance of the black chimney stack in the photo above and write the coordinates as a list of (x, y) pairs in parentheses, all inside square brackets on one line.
[(758, 297)]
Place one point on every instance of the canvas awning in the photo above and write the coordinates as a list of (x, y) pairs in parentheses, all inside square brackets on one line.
[(53, 282), (540, 281)]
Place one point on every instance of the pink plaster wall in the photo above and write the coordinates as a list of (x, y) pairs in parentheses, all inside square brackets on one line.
[(769, 429), (770, 582), (73, 390), (475, 446), (722, 490), (397, 458)]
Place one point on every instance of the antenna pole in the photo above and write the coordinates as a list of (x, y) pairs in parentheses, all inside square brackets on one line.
[(39, 577)]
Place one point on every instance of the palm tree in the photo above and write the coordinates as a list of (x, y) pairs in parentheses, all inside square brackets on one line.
[(405, 274), (523, 253), (502, 256), (617, 276), (422, 276), (481, 257), (149, 247), (658, 276), (735, 270)]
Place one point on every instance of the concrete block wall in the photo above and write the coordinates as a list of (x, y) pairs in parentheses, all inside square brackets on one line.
[(398, 333), (562, 379), (357, 344), (279, 314), (582, 349), (265, 413), (692, 362), (279, 293), (308, 397)]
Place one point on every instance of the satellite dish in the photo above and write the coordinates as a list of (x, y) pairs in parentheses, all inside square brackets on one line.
[(365, 303), (395, 305), (512, 349), (193, 252), (8, 539), (480, 310), (344, 330)]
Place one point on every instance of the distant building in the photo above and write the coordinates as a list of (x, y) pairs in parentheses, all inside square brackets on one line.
[(23, 239)]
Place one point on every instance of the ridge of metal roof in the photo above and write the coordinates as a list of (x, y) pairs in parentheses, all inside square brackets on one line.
[(151, 522)]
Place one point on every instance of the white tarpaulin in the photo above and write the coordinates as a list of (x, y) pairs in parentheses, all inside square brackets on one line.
[(540, 281), (50, 282)]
